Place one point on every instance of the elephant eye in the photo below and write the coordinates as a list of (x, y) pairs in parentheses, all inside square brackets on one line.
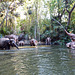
[(9, 42), (13, 42)]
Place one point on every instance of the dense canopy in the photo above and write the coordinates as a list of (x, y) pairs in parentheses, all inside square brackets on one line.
[(35, 18)]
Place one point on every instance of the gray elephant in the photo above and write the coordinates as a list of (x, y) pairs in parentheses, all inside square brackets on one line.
[(21, 43), (12, 36), (6, 43), (33, 42), (21, 37), (48, 41)]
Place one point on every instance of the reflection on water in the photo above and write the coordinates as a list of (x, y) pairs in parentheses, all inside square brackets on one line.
[(40, 60)]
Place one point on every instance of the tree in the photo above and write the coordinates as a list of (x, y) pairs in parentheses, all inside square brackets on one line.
[(7, 9)]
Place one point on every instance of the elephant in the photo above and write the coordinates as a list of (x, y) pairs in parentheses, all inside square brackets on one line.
[(21, 43), (48, 41), (6, 43), (12, 36), (71, 45), (21, 37), (33, 42)]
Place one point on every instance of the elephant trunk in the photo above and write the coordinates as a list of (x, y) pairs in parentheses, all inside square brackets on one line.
[(15, 45)]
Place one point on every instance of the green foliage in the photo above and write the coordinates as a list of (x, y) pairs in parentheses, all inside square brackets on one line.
[(32, 30), (5, 31), (39, 19)]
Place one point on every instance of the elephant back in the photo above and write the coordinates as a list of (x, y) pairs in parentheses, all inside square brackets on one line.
[(12, 36), (2, 40), (21, 37)]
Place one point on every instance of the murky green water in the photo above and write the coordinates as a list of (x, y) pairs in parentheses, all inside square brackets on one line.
[(43, 60)]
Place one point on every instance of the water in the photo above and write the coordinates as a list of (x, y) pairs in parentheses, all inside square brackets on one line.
[(40, 60)]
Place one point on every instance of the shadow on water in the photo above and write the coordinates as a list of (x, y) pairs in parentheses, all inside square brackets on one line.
[(39, 60)]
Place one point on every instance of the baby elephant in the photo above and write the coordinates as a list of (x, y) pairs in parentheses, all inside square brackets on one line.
[(5, 43), (48, 41), (33, 42), (21, 43)]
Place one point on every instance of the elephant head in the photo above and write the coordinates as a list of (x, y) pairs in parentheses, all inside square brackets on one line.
[(5, 43), (13, 44), (33, 42)]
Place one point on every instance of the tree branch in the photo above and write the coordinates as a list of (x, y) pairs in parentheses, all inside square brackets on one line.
[(62, 12), (5, 16), (70, 34), (72, 8), (67, 10), (59, 23), (3, 21)]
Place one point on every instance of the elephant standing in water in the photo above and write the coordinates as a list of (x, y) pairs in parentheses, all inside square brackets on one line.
[(48, 41), (21, 43), (5, 43), (33, 42)]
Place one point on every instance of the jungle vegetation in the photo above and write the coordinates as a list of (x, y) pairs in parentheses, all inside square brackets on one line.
[(35, 19)]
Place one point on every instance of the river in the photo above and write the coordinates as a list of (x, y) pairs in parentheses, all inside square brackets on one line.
[(40, 60)]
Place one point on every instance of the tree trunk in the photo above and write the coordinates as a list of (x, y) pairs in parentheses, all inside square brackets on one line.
[(69, 12), (36, 20), (69, 17)]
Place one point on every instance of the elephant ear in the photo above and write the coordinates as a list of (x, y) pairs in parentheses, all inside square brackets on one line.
[(6, 43)]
